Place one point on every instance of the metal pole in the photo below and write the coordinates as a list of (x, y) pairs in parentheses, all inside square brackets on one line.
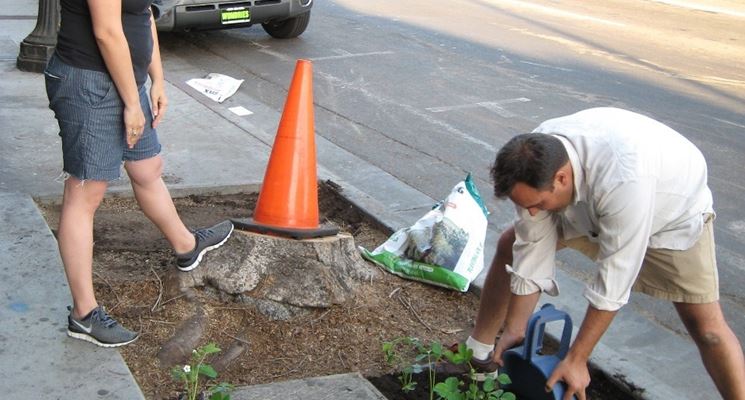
[(38, 46)]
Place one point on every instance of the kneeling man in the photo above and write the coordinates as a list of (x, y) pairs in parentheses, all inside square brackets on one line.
[(631, 194)]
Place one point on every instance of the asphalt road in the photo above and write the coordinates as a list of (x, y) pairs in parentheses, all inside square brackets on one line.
[(428, 91)]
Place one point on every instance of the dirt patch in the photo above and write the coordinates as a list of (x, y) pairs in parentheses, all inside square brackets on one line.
[(131, 258)]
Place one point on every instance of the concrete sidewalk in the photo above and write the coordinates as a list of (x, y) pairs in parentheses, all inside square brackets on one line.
[(207, 148), (334, 387), (37, 359)]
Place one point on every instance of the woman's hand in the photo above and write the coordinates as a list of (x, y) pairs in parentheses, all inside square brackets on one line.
[(158, 102), (134, 124)]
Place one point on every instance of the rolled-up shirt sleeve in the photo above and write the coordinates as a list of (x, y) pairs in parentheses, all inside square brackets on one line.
[(534, 253), (625, 222)]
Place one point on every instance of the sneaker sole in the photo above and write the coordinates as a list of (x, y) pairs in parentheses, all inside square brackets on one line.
[(454, 370), (203, 252), (482, 376), (91, 339)]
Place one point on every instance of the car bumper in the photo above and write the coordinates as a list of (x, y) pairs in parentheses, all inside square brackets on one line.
[(182, 15)]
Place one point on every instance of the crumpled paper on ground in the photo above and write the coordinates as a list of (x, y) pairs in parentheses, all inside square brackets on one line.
[(217, 87)]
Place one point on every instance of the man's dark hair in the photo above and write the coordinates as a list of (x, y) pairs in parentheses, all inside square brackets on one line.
[(531, 158)]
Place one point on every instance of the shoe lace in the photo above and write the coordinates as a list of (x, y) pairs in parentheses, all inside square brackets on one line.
[(104, 317)]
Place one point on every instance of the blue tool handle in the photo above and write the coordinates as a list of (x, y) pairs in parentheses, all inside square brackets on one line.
[(536, 328)]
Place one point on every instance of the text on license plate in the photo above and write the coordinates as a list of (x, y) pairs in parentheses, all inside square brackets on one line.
[(235, 15)]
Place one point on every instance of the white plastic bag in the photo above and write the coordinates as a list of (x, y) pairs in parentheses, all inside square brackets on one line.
[(445, 247)]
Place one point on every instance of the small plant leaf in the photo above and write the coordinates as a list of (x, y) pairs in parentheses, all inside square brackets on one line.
[(489, 385), (437, 349), (220, 396), (409, 387), (508, 396), (473, 390), (463, 355), (504, 379), (178, 374), (449, 389), (208, 371), (462, 348), (421, 348), (210, 348), (222, 387), (455, 358)]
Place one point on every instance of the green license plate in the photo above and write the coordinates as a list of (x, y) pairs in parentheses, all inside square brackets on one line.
[(235, 15)]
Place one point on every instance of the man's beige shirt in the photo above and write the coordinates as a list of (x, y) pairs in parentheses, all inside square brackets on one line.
[(637, 184)]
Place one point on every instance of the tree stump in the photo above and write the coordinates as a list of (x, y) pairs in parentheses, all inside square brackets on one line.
[(281, 277)]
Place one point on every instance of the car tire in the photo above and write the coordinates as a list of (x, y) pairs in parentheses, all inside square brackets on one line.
[(288, 28)]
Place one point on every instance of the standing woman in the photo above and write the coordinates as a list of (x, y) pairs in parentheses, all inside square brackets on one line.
[(95, 82)]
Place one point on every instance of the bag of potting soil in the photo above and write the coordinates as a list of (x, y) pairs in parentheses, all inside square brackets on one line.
[(445, 247)]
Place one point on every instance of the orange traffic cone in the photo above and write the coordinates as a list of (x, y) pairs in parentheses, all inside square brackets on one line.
[(288, 200)]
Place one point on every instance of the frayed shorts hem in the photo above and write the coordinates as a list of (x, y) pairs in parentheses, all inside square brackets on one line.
[(104, 176)]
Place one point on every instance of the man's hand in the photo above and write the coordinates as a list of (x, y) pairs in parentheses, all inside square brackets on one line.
[(573, 369), (574, 373)]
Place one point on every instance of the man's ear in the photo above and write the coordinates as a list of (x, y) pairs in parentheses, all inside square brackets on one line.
[(563, 177)]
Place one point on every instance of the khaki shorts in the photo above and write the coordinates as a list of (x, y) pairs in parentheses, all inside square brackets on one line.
[(683, 276)]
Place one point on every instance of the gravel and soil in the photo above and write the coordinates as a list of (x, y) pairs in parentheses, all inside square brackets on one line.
[(131, 260)]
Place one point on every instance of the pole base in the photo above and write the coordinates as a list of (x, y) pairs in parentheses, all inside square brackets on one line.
[(248, 224), (34, 57)]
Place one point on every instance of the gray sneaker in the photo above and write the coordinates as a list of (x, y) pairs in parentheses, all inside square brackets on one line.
[(100, 329), (207, 239)]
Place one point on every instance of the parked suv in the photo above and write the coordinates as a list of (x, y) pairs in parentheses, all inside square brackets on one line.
[(280, 18)]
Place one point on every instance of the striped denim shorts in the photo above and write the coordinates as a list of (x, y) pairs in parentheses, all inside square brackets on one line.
[(89, 111)]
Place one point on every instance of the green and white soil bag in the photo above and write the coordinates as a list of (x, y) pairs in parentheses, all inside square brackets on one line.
[(445, 247)]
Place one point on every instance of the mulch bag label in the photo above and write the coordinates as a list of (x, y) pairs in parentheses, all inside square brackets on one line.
[(445, 247)]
